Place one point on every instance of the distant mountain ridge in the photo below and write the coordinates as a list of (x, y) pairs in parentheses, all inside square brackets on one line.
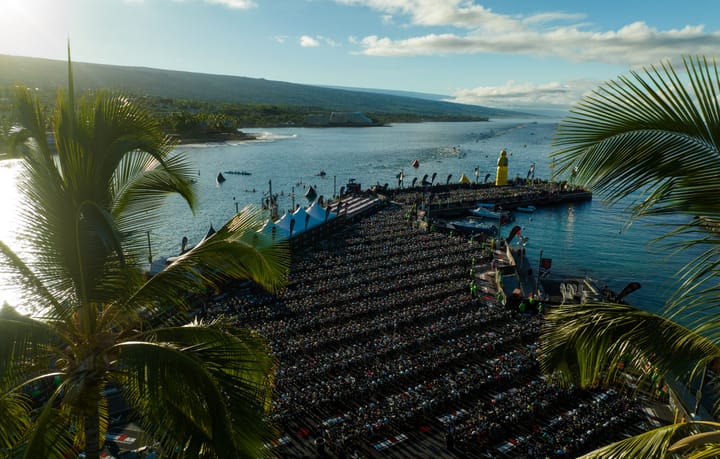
[(393, 92), (49, 74)]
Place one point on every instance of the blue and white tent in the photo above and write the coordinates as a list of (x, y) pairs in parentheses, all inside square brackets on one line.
[(318, 212)]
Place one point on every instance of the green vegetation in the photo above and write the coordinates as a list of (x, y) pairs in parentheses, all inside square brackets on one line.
[(201, 107), (653, 137), (258, 94), (189, 117), (203, 121), (98, 323)]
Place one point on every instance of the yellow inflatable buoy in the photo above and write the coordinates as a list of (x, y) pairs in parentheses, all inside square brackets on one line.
[(501, 173)]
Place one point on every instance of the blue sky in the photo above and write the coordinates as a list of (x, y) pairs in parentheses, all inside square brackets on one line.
[(503, 53)]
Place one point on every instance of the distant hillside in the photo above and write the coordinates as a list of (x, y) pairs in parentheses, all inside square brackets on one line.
[(393, 92), (50, 74)]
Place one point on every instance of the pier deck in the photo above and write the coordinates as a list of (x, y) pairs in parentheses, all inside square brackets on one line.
[(453, 200), (384, 350)]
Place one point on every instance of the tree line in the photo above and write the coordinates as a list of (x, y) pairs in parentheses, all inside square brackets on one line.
[(197, 120)]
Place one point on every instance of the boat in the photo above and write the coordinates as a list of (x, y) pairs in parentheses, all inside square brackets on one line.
[(416, 164), (503, 215), (220, 177), (321, 173), (526, 209), (471, 226), (575, 290)]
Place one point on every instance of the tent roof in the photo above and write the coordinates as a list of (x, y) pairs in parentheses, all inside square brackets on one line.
[(284, 223), (300, 216), (317, 212), (267, 229)]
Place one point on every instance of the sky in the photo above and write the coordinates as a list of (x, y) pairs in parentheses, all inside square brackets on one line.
[(502, 54)]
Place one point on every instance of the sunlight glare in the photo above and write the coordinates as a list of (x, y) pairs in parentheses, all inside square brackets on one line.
[(9, 223), (34, 27)]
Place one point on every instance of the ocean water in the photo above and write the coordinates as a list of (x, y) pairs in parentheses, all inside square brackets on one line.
[(582, 238)]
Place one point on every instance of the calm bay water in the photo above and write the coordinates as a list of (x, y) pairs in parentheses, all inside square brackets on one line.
[(582, 239)]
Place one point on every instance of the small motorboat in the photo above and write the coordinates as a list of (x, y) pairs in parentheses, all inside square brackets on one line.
[(526, 209), (485, 213), (321, 173), (474, 227), (503, 215), (486, 205)]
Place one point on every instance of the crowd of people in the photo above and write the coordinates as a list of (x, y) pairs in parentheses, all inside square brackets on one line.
[(378, 334)]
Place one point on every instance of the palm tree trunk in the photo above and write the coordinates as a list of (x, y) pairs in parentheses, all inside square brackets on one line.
[(92, 436)]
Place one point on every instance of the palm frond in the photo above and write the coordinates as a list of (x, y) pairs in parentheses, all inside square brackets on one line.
[(30, 117), (141, 186), (238, 358), (235, 251), (696, 441), (587, 342), (648, 131), (181, 401), (15, 420), (141, 183), (23, 343), (653, 443), (89, 197), (654, 138), (51, 435), (34, 294)]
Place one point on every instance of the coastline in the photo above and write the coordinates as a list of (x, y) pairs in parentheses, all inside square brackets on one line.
[(216, 137)]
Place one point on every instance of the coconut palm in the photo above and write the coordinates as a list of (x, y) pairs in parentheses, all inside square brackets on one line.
[(651, 139), (98, 323)]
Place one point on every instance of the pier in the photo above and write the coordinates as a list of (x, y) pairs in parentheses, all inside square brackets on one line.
[(391, 342), (448, 201)]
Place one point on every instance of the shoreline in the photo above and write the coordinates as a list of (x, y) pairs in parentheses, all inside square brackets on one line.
[(220, 137)]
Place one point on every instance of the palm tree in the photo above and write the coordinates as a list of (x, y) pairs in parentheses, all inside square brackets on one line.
[(199, 389), (651, 139)]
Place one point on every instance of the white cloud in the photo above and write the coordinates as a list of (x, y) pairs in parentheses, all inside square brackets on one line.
[(311, 42), (634, 44), (280, 38), (458, 13), (518, 94), (479, 30), (235, 4), (307, 41)]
